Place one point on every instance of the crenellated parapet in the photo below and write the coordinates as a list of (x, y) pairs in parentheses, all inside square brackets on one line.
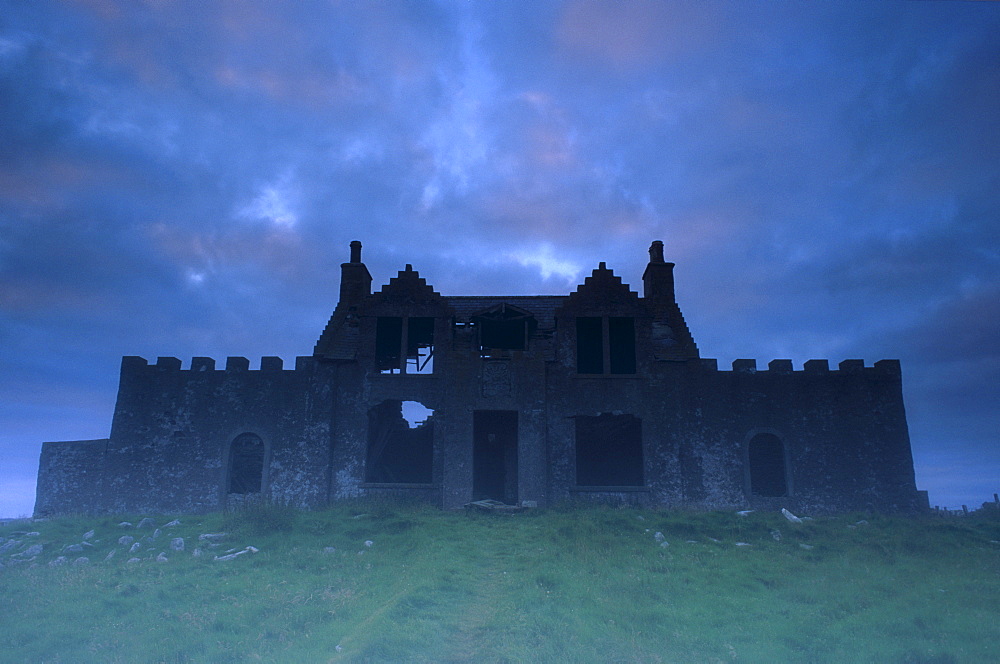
[(881, 369), (268, 364)]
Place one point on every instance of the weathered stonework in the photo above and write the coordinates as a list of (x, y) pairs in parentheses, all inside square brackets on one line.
[(600, 395)]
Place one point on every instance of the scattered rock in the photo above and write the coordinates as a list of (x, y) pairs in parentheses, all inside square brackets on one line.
[(249, 549), (32, 534), (162, 558), (9, 545), (712, 539), (659, 536), (156, 533), (807, 547), (745, 512), (73, 548), (329, 549), (132, 561), (126, 540), (177, 544), (369, 543), (664, 545), (88, 535), (111, 554), (58, 562), (125, 524), (743, 544), (791, 517), (33, 550), (861, 523), (82, 560), (691, 542), (641, 518), (135, 547), (175, 522), (211, 537), (776, 535), (196, 553), (146, 523)]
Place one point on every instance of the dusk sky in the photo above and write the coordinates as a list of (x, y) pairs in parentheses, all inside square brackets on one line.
[(183, 178)]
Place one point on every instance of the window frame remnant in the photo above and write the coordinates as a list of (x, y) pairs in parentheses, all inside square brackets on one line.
[(398, 453), (245, 472), (501, 329), (404, 344), (605, 345), (609, 451), (767, 466)]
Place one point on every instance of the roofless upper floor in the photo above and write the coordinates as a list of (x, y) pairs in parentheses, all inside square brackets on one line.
[(602, 319)]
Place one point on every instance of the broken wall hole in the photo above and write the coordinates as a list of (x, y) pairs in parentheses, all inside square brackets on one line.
[(246, 464), (609, 450), (400, 443), (767, 467)]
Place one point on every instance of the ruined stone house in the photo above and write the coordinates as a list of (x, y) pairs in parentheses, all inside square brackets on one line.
[(598, 395)]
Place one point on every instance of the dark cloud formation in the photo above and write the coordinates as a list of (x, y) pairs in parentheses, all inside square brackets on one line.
[(183, 178)]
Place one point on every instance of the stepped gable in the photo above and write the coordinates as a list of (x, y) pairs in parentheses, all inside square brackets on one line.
[(603, 293), (407, 287)]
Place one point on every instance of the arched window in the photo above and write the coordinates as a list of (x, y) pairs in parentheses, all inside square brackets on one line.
[(766, 458), (246, 464)]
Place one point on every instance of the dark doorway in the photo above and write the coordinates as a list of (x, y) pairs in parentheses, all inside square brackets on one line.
[(246, 464), (494, 455), (766, 456)]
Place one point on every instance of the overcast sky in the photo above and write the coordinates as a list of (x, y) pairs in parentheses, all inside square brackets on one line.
[(182, 178)]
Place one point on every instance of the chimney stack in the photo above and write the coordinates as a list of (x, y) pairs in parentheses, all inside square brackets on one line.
[(355, 281), (658, 279)]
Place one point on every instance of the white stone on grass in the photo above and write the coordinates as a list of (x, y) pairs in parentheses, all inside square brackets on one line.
[(135, 547), (231, 556), (87, 535), (146, 523), (126, 540), (82, 560), (175, 522), (162, 558), (791, 517), (211, 537), (177, 544)]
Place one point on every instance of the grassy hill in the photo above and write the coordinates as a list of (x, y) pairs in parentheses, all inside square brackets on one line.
[(391, 583)]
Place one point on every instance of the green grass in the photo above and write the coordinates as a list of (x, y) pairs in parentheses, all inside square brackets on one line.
[(580, 585)]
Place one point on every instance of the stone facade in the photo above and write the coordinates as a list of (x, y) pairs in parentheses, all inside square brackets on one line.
[(599, 395)]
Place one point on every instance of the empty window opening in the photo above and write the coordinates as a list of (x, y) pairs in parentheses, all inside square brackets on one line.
[(503, 328), (605, 345), (589, 345), (246, 464), (494, 463), (404, 345), (609, 450), (766, 457), (621, 345), (400, 443)]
